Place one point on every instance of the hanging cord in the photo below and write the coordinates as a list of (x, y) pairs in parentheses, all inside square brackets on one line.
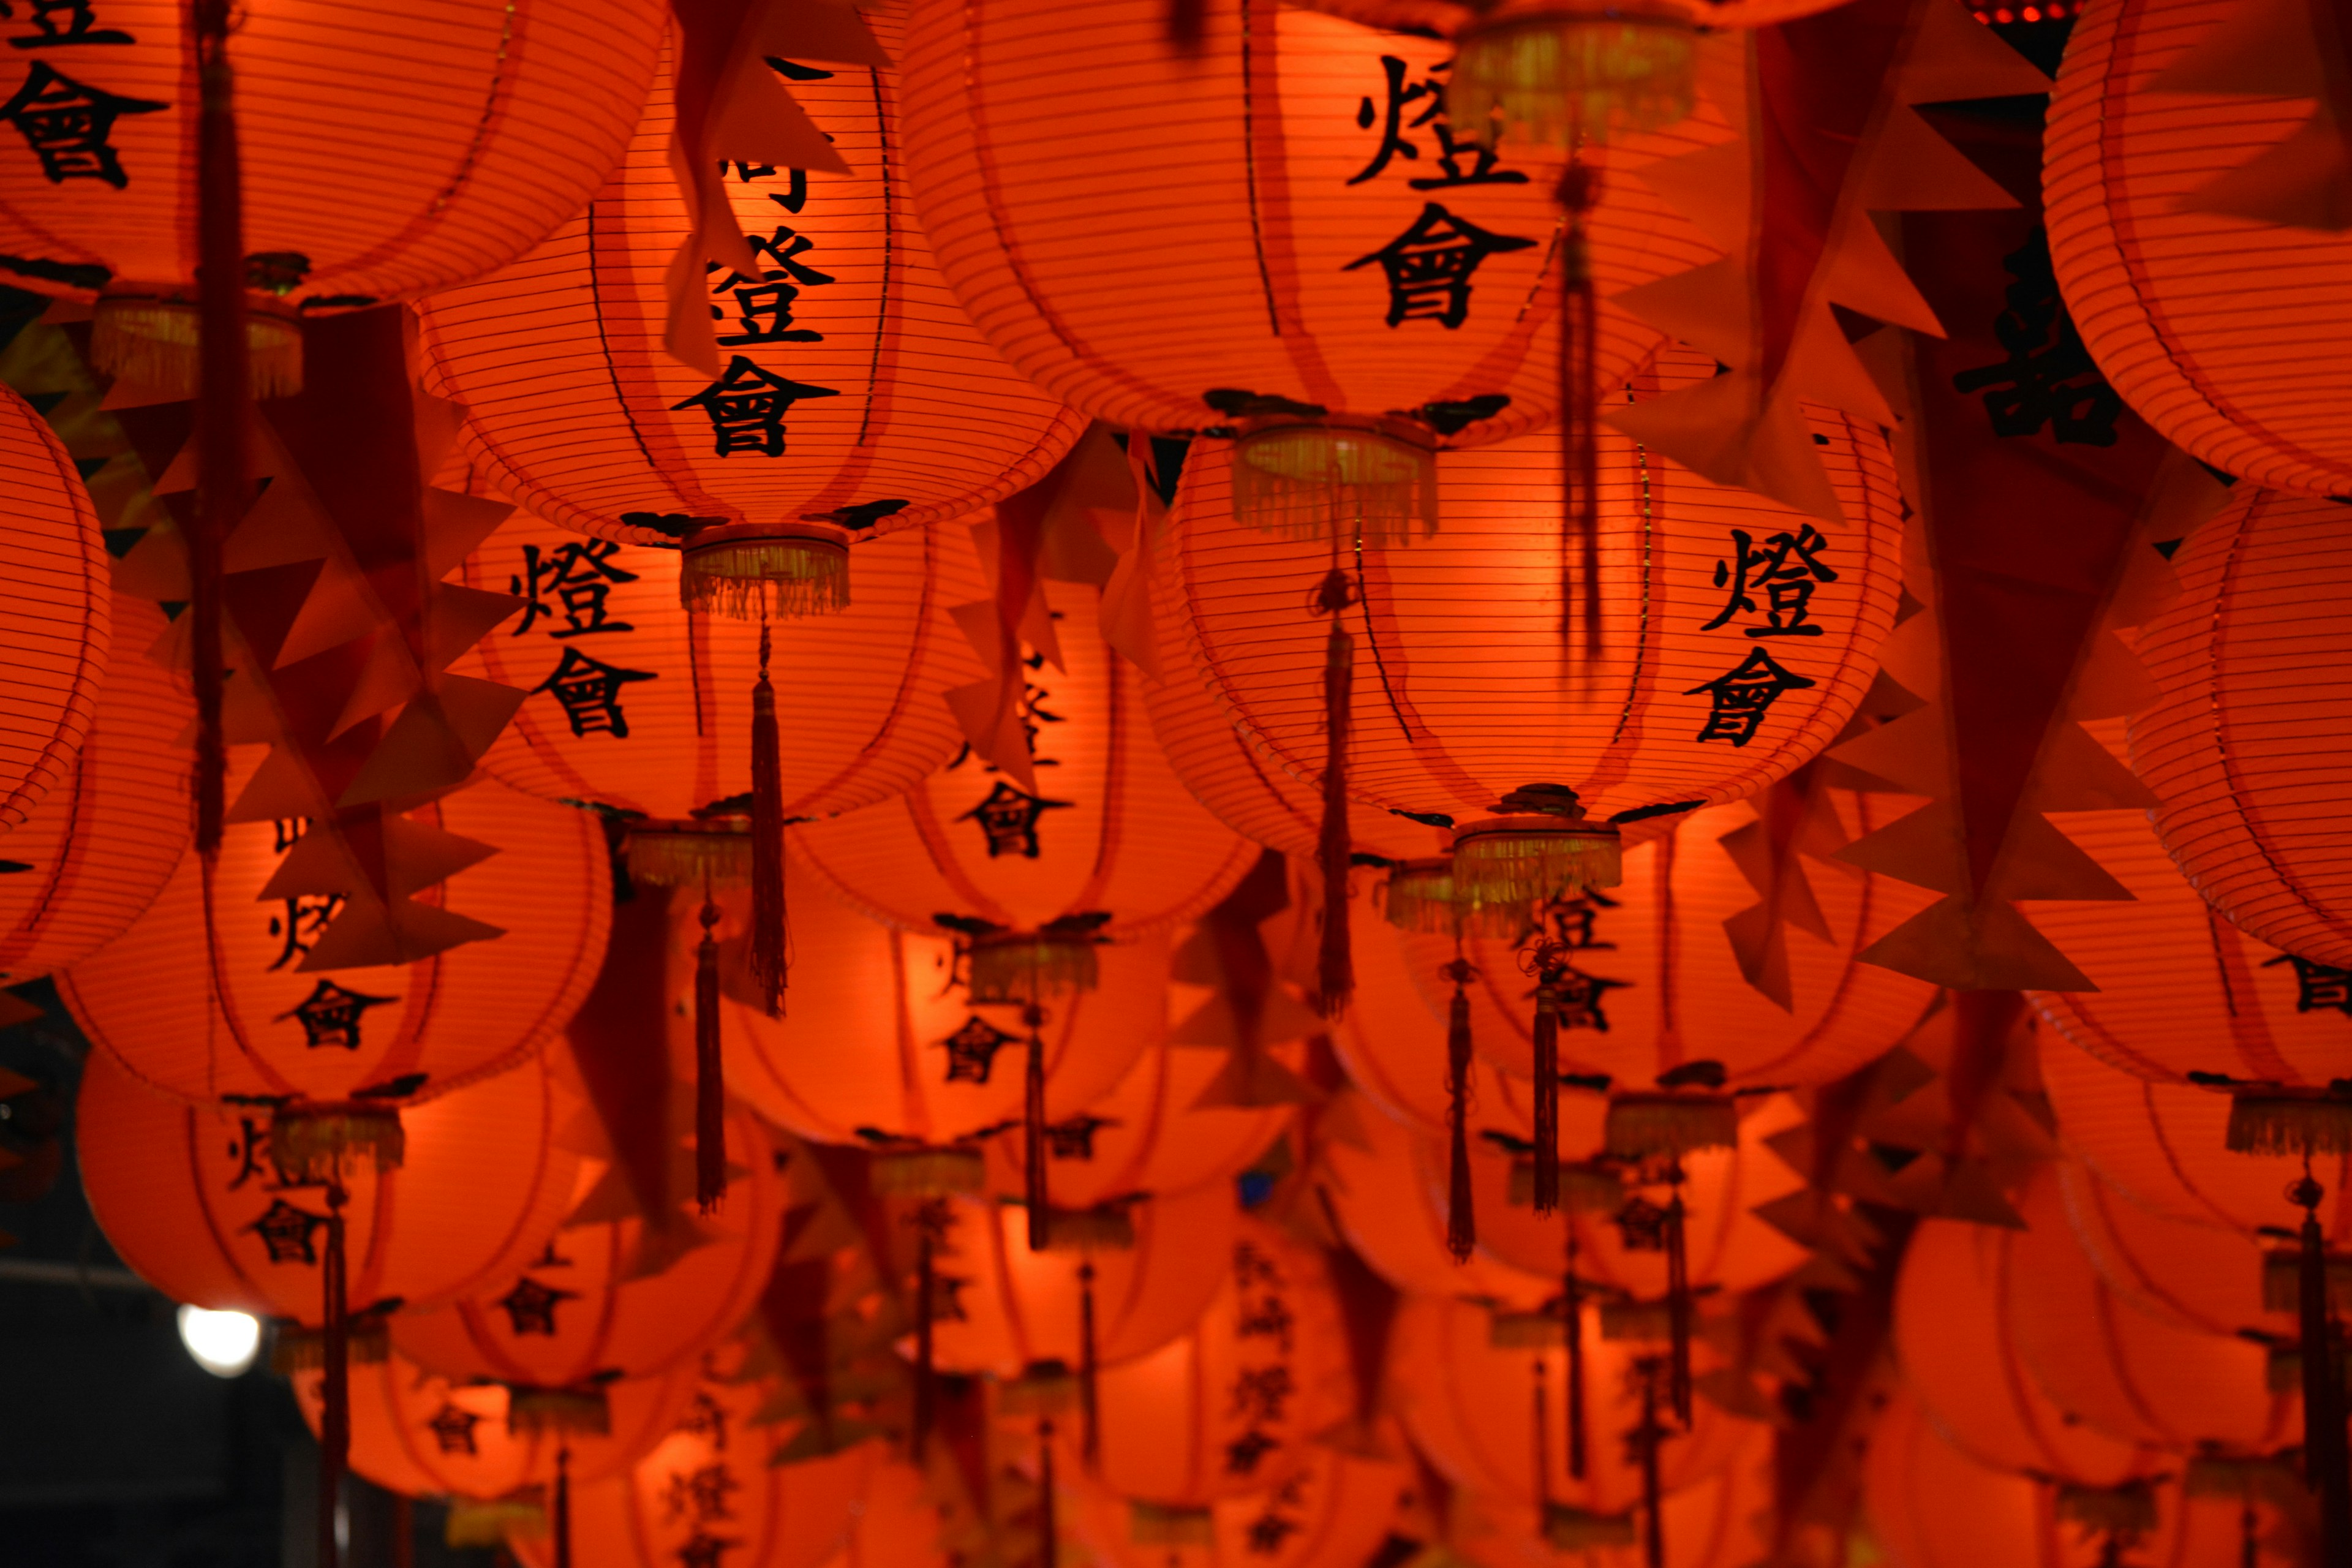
[(1572, 1305), (1678, 1296), (563, 1506), (1547, 962), (769, 931), (1048, 1548), (1090, 1401), (1335, 964), (1461, 1216), (2325, 1469), (334, 1387), (225, 408), (930, 1221), (1035, 1189), (1648, 1438), (1542, 1453), (710, 1070), (1579, 189)]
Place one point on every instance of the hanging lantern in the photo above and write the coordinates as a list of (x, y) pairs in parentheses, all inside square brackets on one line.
[(2206, 1277), (437, 150), (1335, 1512), (2189, 270), (1721, 1521), (2236, 748), (99, 846), (55, 604), (219, 991), (630, 1283), (619, 386)]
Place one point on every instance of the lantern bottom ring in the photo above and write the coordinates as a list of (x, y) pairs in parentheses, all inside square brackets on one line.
[(1507, 864), (315, 1141), (714, 851), (153, 339), (1568, 74), (1361, 480), (749, 570)]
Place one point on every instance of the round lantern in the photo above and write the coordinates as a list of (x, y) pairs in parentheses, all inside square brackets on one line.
[(2196, 1277), (1140, 1279), (212, 993), (637, 1293), (1230, 1407), (638, 704), (429, 161), (2196, 315), (193, 1198), (1721, 1521), (2242, 748), (1484, 1396), (845, 391), (55, 605), (1307, 251), (421, 1434), (712, 1490), (100, 845), (1335, 1512)]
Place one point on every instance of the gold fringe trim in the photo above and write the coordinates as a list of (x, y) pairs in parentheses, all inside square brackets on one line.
[(746, 569), (367, 1341), (1317, 481), (1640, 1125), (1044, 1388), (537, 1411), (2290, 1124), (688, 853), (2128, 1509), (1565, 77), (1583, 1189), (316, 1143), (1508, 864), (2283, 1281), (1015, 967), (2239, 1476), (1151, 1524), (493, 1524), (1568, 1528), (155, 342), (2282, 1370), (1110, 1228), (1419, 896), (1636, 1321), (1524, 1330), (929, 1172)]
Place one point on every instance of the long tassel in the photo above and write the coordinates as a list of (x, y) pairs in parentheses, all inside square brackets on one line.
[(1654, 1522), (1580, 402), (1036, 1190), (1089, 1398), (1048, 1548), (709, 1073), (1678, 1299), (2324, 1459), (563, 1507), (335, 1387), (1336, 972), (1572, 1301), (223, 410), (1461, 1216), (1542, 1453), (2250, 1542), (768, 917), (927, 1226), (1546, 1068)]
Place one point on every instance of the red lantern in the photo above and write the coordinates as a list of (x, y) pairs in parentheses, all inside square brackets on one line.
[(1719, 1522), (99, 846), (2204, 1278), (1335, 1512), (55, 604)]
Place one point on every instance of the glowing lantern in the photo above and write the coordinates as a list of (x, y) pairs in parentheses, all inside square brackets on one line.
[(436, 147), (2207, 1277), (845, 391), (1719, 1522), (2192, 273), (862, 690), (1333, 1513), (631, 1284), (192, 1199), (99, 846), (2238, 750), (55, 604), (216, 990)]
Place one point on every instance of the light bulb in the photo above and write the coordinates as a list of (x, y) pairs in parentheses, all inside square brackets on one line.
[(222, 1343)]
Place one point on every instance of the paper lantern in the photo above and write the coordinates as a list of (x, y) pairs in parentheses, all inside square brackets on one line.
[(418, 1433), (2241, 747), (639, 704), (631, 1285), (1719, 1522), (192, 1199), (54, 604), (216, 990), (100, 845), (1277, 233), (1110, 845), (2196, 1277), (1471, 1407), (1002, 1308), (1229, 1407), (712, 1490), (1334, 1512), (846, 391), (2190, 286), (433, 158)]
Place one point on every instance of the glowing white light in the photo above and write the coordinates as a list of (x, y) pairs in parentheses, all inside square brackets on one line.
[(222, 1343)]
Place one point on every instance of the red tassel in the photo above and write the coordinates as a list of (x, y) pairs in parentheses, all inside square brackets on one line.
[(223, 409), (1678, 1299), (1543, 1450), (1580, 187), (1336, 969), (1048, 1548), (1649, 1436), (930, 1220), (2327, 1471), (563, 1507), (1572, 1305), (768, 918), (1034, 1190), (2250, 1536), (1089, 1399), (709, 1070), (334, 1386), (1548, 970), (1461, 1216)]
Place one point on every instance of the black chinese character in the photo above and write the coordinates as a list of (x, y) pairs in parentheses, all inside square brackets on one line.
[(706, 1419), (2048, 377), (746, 408), (67, 124), (249, 1149), (1244, 1454), (531, 1306), (1788, 568), (972, 1050), (700, 1495), (63, 21), (1268, 1531), (1252, 1267), (1741, 696), (330, 1015), (2318, 987), (285, 1233), (1429, 265), (1270, 1319), (1572, 921), (1008, 818), (1261, 1394), (590, 690), (947, 1299), (453, 1429), (1074, 1138), (1642, 1224), (307, 916), (581, 576), (763, 303), (705, 1551), (1429, 91), (1578, 997)]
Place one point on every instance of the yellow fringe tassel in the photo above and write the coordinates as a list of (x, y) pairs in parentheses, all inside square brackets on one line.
[(559, 1410), (1524, 1330), (1019, 966), (1565, 78), (1106, 1229), (367, 1341), (2128, 1509), (2235, 1475), (493, 1524), (1640, 1125), (786, 575), (1583, 1189), (1508, 864), (312, 1144), (1419, 896), (2283, 1281), (154, 343), (928, 1173), (2290, 1124), (1568, 1528), (1044, 1388), (1315, 481), (1637, 1320), (689, 855), (1150, 1524)]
